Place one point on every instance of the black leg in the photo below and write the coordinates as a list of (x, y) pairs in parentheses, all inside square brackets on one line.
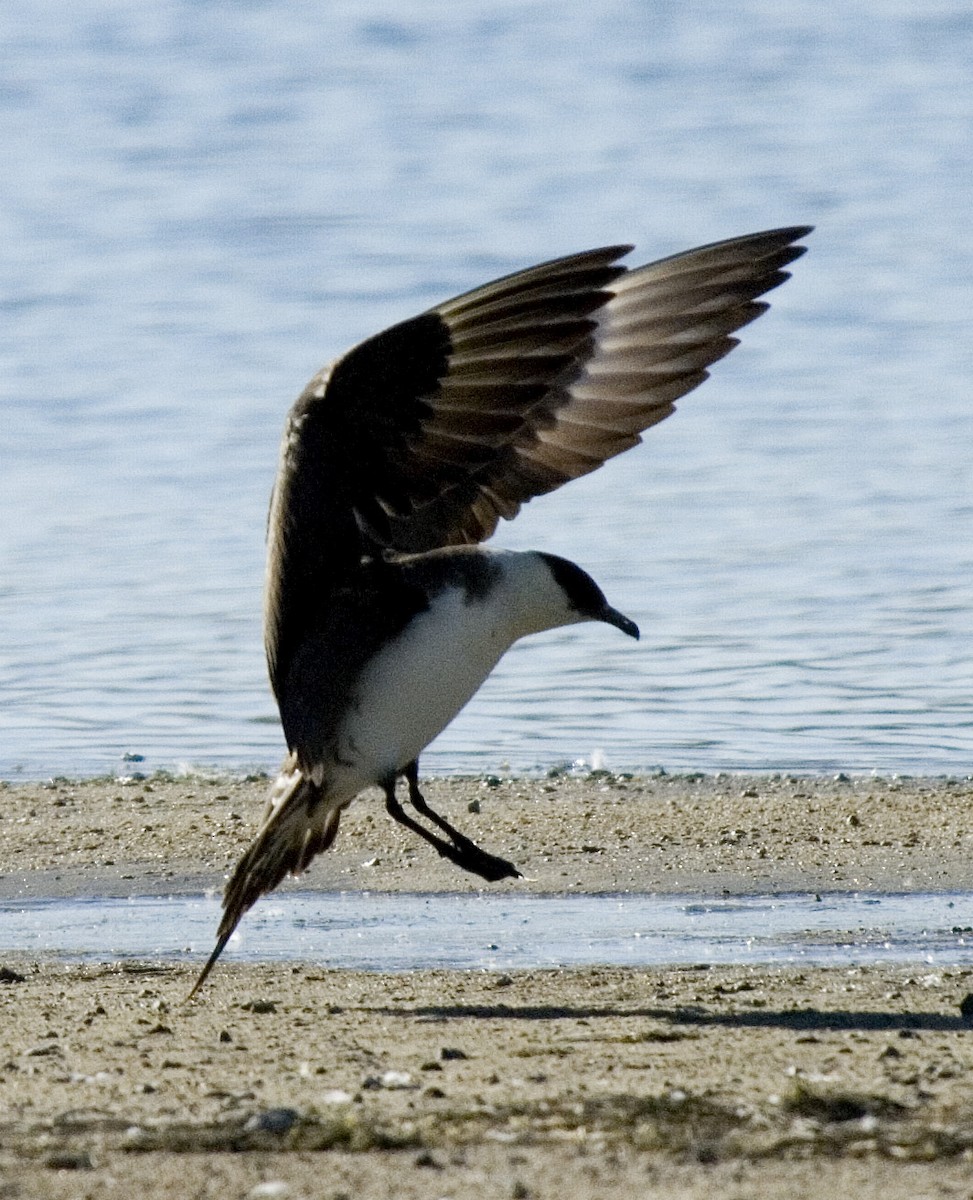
[(473, 859), (396, 811)]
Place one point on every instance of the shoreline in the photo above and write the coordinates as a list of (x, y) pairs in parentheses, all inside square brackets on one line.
[(295, 1081), (605, 833)]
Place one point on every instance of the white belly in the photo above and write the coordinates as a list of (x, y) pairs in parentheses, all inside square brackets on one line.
[(419, 682)]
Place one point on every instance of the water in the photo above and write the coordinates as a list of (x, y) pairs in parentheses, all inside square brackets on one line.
[(200, 205), (381, 932)]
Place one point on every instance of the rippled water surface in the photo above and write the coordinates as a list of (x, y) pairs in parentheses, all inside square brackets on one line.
[(201, 203)]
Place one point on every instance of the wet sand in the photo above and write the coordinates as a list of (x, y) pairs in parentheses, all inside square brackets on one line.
[(300, 1081)]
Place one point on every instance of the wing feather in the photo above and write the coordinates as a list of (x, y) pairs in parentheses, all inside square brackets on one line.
[(432, 431)]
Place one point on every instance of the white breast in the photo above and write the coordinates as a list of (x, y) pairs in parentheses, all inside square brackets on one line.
[(416, 685)]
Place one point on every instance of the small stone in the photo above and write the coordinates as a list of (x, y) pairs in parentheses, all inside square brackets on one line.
[(451, 1054), (273, 1120), (966, 1008), (397, 1081), (259, 1006), (69, 1160), (9, 976), (225, 1036), (267, 1189)]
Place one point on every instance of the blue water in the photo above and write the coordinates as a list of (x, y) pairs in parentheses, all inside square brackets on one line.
[(202, 203), (403, 932)]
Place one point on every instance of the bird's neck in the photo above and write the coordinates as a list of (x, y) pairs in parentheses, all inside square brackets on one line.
[(516, 585)]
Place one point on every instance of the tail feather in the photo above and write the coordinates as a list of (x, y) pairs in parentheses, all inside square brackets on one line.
[(296, 828)]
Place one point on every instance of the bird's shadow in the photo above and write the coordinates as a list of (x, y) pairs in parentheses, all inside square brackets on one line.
[(802, 1020)]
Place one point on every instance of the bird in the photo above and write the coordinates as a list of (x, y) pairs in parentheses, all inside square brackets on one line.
[(383, 610)]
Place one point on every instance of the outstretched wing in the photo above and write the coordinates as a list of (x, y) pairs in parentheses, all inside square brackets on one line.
[(456, 418), (425, 435)]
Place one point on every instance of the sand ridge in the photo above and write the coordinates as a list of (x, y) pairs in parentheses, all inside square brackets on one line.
[(600, 833)]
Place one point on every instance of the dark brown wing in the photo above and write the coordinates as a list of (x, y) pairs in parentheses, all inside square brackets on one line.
[(403, 419), (409, 413), (425, 435), (456, 418)]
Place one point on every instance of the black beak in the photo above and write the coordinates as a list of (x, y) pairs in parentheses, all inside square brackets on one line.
[(611, 616)]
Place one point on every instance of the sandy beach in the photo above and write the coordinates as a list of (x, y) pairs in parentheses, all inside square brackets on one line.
[(297, 1081)]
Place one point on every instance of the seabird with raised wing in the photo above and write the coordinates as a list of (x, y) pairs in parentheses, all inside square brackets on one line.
[(384, 613)]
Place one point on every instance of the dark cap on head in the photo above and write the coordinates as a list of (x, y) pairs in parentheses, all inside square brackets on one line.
[(585, 596)]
